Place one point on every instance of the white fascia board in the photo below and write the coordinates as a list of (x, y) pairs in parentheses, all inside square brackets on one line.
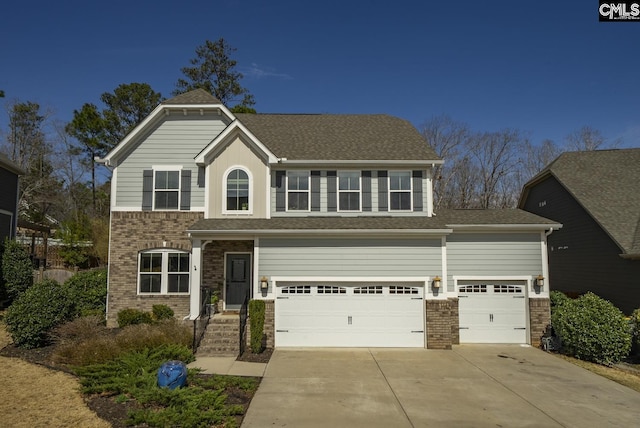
[(111, 158), (502, 227), (380, 163), (337, 232), (202, 157)]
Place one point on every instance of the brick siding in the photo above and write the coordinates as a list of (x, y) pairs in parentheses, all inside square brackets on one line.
[(132, 232), (540, 318), (442, 319)]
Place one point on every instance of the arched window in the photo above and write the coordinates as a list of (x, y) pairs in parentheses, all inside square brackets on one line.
[(237, 190)]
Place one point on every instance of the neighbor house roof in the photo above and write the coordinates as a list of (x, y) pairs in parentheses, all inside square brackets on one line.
[(606, 183), (7, 164), (348, 137), (444, 223)]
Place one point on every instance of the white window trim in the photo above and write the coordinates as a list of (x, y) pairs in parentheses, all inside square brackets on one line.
[(164, 279), (389, 191), (167, 168), (338, 191), (528, 280), (308, 172), (224, 191)]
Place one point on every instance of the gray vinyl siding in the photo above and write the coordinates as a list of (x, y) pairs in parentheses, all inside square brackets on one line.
[(499, 254), (176, 141), (357, 257)]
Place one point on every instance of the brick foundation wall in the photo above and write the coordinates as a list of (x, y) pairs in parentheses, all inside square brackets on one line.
[(132, 232), (539, 319), (455, 321), (439, 315)]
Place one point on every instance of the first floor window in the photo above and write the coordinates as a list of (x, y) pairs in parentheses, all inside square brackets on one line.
[(400, 190), (348, 191), (298, 190), (162, 272), (166, 190)]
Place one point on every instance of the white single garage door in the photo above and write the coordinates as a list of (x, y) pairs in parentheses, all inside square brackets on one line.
[(492, 313), (349, 315)]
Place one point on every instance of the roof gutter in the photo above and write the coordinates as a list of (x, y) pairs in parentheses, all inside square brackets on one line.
[(368, 232), (329, 162), (506, 227)]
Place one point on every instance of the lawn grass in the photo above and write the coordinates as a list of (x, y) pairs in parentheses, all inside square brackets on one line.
[(628, 378)]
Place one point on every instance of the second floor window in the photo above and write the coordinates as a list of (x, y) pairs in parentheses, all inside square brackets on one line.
[(349, 191), (167, 190), (237, 190), (298, 190), (400, 190)]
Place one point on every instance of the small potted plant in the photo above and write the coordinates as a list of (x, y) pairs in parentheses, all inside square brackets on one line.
[(213, 304)]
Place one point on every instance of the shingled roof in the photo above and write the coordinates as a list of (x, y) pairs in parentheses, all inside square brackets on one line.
[(441, 223), (607, 185), (339, 137), (197, 96)]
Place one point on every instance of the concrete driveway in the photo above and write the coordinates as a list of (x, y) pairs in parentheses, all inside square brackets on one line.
[(471, 386)]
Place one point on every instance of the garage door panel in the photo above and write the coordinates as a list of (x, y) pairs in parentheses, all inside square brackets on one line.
[(492, 314), (350, 315)]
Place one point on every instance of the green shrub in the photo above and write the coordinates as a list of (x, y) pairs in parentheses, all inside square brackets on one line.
[(17, 269), (36, 311), (256, 318), (162, 312), (558, 298), (88, 290), (133, 316), (634, 322), (592, 329)]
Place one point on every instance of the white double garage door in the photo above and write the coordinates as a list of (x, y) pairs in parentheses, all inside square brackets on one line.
[(345, 314)]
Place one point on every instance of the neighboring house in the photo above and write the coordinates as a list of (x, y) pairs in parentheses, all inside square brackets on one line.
[(9, 173), (596, 196), (328, 218)]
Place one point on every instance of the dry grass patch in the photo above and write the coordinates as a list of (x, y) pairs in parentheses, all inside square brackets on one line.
[(627, 378)]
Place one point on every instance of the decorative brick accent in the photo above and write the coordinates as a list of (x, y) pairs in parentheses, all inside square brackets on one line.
[(439, 314), (132, 232), (539, 319), (455, 321)]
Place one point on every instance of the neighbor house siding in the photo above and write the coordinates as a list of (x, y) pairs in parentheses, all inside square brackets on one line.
[(175, 142), (582, 256), (8, 200), (357, 257), (499, 254)]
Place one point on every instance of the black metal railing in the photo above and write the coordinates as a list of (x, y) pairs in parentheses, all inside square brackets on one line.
[(201, 322), (244, 313)]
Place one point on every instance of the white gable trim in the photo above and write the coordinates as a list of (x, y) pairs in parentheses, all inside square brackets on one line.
[(111, 159), (225, 137)]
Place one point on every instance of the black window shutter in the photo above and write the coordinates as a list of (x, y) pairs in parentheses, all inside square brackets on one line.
[(315, 190), (382, 191), (147, 190), (366, 190), (201, 174), (331, 191), (417, 190), (185, 189), (281, 193)]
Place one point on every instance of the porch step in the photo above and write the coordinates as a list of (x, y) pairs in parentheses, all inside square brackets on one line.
[(221, 337)]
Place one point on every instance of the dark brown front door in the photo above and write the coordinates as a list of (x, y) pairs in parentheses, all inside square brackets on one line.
[(237, 280)]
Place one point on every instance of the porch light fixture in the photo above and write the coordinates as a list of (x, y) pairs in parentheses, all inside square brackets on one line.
[(264, 283), (539, 280), (436, 281)]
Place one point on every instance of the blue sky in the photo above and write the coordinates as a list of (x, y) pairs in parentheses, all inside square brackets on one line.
[(546, 68)]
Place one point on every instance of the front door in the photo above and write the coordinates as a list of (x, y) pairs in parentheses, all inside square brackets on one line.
[(237, 280)]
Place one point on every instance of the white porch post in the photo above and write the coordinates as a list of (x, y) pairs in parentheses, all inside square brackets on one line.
[(196, 278)]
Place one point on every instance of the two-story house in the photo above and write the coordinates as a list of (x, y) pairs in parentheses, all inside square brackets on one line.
[(9, 174), (328, 218)]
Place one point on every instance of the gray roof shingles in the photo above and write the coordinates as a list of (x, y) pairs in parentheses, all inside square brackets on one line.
[(607, 184), (197, 96), (339, 137), (381, 223)]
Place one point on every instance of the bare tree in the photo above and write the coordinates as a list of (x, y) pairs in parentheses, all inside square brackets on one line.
[(587, 139), (447, 138)]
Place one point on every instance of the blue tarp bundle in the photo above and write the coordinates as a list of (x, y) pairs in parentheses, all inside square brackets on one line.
[(172, 375)]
